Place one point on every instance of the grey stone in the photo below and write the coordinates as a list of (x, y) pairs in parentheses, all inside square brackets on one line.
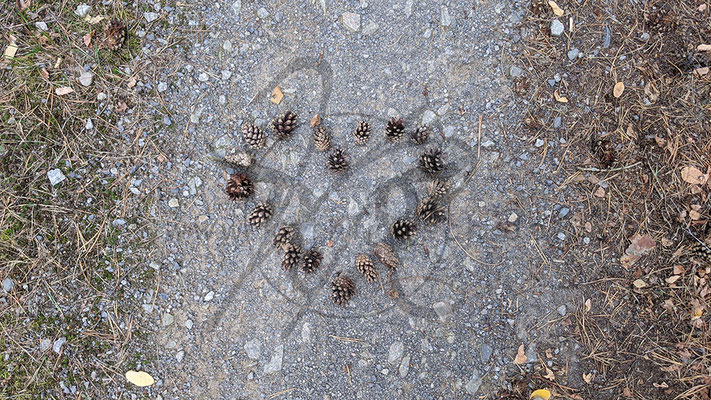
[(101, 96), (351, 21), (395, 352), (275, 363), (443, 310), (262, 13), (82, 10), (154, 265), (445, 18), (167, 319), (55, 176), (45, 345), (118, 222), (57, 345), (486, 352), (573, 54), (370, 28), (179, 356), (195, 115), (404, 366), (539, 142), (41, 25), (515, 71), (474, 383), (162, 87), (563, 212), (557, 122), (531, 355), (8, 284), (189, 324), (562, 310), (428, 117), (306, 332), (408, 7), (448, 131), (253, 348), (606, 37), (237, 8), (89, 124), (561, 236), (203, 77), (557, 27), (86, 78)]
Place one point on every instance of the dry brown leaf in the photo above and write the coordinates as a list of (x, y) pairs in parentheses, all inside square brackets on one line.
[(140, 378), (520, 356), (132, 82), (61, 91), (121, 107), (315, 120), (23, 4), (627, 392), (694, 215), (640, 284), (10, 51), (87, 40), (44, 73), (672, 279), (618, 89), (559, 98), (277, 95), (556, 10), (600, 192), (701, 71), (94, 20), (679, 270), (693, 175), (549, 374), (704, 47), (588, 305)]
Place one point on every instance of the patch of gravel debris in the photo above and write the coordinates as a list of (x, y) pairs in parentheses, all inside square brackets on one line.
[(230, 323)]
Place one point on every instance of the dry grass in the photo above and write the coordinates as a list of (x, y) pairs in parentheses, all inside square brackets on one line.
[(622, 157), (75, 270)]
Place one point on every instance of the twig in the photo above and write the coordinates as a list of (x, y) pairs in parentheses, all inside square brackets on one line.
[(610, 169)]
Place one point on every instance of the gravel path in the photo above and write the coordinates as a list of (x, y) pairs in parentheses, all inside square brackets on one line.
[(231, 324)]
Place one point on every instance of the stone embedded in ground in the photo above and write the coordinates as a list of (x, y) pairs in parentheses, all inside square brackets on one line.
[(275, 362), (395, 352), (86, 78), (473, 384), (253, 348), (150, 16), (351, 21), (557, 28), (486, 352), (404, 366), (443, 310), (57, 346), (55, 176)]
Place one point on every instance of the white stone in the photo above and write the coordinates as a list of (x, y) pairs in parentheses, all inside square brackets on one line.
[(408, 7), (306, 332), (154, 265), (8, 284), (370, 28), (167, 319), (404, 366), (557, 27), (86, 78), (57, 346), (189, 324), (89, 124), (162, 87), (351, 21), (101, 96), (262, 13), (539, 142), (82, 10), (55, 176), (237, 8), (473, 385), (513, 217), (173, 203), (446, 19), (210, 295), (253, 348), (150, 16), (275, 362), (203, 77), (179, 356), (41, 25), (443, 310)]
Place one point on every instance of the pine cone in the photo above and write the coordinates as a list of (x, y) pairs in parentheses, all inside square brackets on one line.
[(311, 261), (702, 251), (385, 255), (362, 133), (114, 35), (238, 158), (438, 188), (322, 139), (366, 267), (284, 125), (337, 161), (254, 136), (429, 211), (539, 6), (420, 134), (342, 289), (262, 212), (395, 129), (239, 187), (283, 236), (431, 161), (292, 252), (403, 229)]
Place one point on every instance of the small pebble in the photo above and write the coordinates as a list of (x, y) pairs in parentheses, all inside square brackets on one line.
[(173, 203), (557, 27), (8, 284)]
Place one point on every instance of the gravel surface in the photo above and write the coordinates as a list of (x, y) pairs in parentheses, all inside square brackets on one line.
[(230, 323)]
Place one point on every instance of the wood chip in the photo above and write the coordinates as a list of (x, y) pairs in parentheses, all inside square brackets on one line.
[(61, 91), (315, 120), (618, 89), (277, 95)]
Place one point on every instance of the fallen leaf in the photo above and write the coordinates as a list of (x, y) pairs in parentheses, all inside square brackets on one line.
[(693, 175), (23, 4), (696, 313), (277, 95), (662, 385), (704, 47), (556, 10), (10, 51), (679, 270), (588, 305), (588, 227), (121, 107), (94, 20), (669, 305), (694, 215), (672, 279), (549, 353), (329, 243), (661, 142), (520, 356), (701, 71), (315, 120), (600, 192), (541, 394), (140, 378), (640, 284), (558, 97), (618, 89), (588, 378), (627, 392), (61, 91), (87, 40)]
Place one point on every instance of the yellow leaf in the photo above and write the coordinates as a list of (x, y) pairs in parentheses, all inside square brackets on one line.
[(140, 378), (618, 89), (93, 20), (541, 394), (559, 98), (10, 51), (520, 356), (61, 91), (693, 175), (588, 378), (697, 313), (277, 95), (556, 10), (640, 284)]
